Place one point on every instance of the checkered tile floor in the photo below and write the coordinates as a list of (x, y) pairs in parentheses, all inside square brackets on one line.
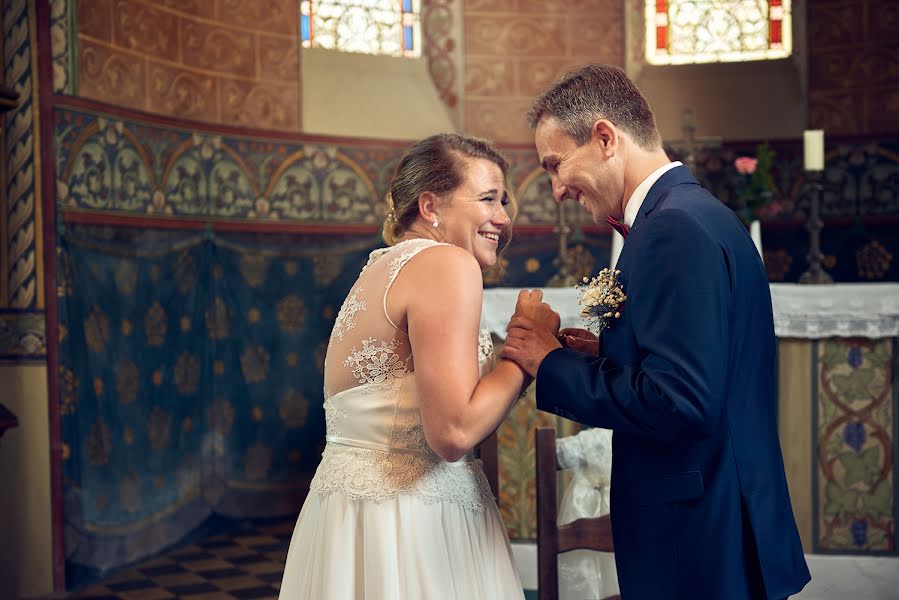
[(218, 568)]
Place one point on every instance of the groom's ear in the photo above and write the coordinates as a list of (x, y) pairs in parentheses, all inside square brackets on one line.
[(607, 135), (427, 206)]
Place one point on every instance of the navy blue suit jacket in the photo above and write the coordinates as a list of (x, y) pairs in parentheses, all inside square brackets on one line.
[(686, 379)]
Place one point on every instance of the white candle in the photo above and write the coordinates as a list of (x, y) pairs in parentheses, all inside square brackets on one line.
[(813, 144), (617, 245), (755, 232)]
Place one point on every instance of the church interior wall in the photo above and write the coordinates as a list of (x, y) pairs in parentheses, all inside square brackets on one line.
[(167, 81)]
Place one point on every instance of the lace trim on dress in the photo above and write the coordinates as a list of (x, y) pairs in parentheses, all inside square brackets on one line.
[(409, 434), (485, 346), (375, 364), (346, 317), (332, 416), (397, 264), (363, 474)]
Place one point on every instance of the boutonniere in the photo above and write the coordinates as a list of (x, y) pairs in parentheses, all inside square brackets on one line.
[(601, 299)]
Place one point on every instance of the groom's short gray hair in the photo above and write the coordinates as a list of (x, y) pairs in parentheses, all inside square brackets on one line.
[(579, 98)]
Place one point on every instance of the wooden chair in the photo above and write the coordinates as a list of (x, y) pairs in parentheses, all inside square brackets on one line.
[(552, 540)]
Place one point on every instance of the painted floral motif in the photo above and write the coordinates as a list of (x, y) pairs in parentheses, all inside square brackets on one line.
[(68, 391), (129, 492), (873, 260), (186, 272), (221, 416), (254, 268), (187, 375), (294, 409), (126, 276), (156, 324), (159, 428), (96, 329), (127, 381), (99, 443), (257, 461), (291, 311), (254, 362), (326, 268), (217, 319)]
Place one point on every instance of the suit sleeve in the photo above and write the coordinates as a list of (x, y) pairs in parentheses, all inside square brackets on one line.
[(680, 299)]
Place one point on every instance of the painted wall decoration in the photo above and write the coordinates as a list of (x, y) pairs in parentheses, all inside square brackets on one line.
[(852, 82), (227, 62), (856, 446), (22, 326), (515, 48), (191, 373)]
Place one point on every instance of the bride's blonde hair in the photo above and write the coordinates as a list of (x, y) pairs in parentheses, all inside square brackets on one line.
[(436, 165)]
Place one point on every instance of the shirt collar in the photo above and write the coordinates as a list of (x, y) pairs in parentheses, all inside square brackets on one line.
[(632, 208)]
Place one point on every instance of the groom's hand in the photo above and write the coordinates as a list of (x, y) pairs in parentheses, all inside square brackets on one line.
[(532, 332), (581, 340)]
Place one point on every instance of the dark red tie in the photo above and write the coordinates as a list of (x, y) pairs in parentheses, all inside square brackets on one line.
[(622, 228)]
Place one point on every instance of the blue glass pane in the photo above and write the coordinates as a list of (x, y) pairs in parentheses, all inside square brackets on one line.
[(304, 27), (407, 6), (407, 37)]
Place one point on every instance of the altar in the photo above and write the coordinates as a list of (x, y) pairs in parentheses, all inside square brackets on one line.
[(837, 382)]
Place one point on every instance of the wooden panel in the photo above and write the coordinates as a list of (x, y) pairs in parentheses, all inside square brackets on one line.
[(795, 428)]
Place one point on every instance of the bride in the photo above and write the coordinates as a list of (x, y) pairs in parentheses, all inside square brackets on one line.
[(399, 508)]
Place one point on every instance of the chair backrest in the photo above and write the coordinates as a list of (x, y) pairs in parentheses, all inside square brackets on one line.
[(552, 540)]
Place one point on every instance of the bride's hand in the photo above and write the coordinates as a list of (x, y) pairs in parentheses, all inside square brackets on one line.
[(531, 306), (581, 340)]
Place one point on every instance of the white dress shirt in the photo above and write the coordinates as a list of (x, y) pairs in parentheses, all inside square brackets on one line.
[(632, 208)]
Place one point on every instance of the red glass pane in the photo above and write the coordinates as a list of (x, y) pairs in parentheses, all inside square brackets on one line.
[(776, 32), (661, 6), (661, 38), (775, 2)]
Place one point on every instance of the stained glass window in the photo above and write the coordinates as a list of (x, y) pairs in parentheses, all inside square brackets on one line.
[(391, 27), (703, 31)]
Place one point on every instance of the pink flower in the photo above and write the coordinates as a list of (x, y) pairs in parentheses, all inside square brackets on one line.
[(769, 210), (746, 165)]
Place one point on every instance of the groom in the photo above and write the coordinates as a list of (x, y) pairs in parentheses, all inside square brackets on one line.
[(686, 376)]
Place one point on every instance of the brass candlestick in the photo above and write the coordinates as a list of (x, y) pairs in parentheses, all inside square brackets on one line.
[(815, 272), (565, 269)]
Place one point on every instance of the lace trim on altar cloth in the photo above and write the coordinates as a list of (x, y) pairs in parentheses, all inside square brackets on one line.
[(363, 474)]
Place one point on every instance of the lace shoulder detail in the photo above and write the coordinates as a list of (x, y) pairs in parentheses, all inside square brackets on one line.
[(346, 317), (363, 474), (408, 253)]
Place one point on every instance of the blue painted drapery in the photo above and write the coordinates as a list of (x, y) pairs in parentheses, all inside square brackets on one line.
[(191, 378)]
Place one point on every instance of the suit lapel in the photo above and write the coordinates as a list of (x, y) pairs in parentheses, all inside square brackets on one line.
[(673, 177)]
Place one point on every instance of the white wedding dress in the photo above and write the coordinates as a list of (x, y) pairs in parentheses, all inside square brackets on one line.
[(386, 518)]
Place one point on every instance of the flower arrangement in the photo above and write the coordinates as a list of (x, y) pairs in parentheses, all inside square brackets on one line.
[(755, 188), (601, 299)]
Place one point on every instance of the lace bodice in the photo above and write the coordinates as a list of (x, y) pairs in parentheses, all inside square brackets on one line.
[(376, 443)]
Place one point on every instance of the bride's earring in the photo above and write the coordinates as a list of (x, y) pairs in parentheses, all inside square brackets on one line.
[(436, 223)]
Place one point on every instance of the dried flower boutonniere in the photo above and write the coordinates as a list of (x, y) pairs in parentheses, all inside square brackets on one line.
[(601, 299)]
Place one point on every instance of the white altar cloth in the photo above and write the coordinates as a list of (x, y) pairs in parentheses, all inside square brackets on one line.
[(868, 310)]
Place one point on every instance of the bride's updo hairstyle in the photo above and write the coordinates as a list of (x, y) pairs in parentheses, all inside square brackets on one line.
[(437, 164)]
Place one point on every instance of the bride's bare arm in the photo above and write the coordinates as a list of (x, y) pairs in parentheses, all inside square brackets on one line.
[(440, 292)]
